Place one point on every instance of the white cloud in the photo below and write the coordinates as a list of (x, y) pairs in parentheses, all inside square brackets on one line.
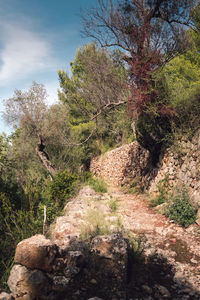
[(22, 52), (52, 91)]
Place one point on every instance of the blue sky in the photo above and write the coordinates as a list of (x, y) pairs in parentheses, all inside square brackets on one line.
[(37, 37)]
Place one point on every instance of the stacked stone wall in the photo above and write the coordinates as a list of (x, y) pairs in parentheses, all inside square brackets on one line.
[(117, 165), (179, 164), (45, 271)]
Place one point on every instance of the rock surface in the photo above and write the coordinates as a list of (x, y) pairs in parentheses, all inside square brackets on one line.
[(74, 265), (36, 252), (30, 283), (6, 296), (179, 165)]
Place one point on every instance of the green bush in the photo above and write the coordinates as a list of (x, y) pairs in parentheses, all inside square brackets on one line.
[(113, 205), (96, 223), (62, 187), (16, 225), (98, 185), (180, 210)]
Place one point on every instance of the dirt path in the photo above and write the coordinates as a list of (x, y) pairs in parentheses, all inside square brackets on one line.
[(172, 253), (180, 246)]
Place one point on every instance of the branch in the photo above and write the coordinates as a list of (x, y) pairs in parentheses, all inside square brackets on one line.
[(93, 118), (85, 141), (43, 156), (106, 106)]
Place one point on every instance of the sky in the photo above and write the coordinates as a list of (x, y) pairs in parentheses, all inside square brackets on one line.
[(37, 37)]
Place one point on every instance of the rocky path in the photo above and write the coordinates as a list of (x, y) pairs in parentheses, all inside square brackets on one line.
[(180, 246), (171, 266)]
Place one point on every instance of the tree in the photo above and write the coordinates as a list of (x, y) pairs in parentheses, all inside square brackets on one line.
[(97, 83), (95, 96), (29, 113), (182, 83), (151, 32)]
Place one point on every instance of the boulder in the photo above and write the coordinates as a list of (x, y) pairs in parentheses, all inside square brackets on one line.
[(36, 252), (27, 284), (198, 217), (110, 246), (110, 260), (6, 296)]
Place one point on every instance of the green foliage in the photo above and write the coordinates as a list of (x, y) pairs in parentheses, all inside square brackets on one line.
[(137, 244), (176, 105), (180, 210), (96, 224), (16, 225), (113, 205), (178, 84), (98, 185), (85, 176), (62, 187), (95, 96)]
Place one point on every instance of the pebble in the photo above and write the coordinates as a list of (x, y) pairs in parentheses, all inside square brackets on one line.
[(194, 261), (163, 291), (93, 281), (95, 298), (147, 289)]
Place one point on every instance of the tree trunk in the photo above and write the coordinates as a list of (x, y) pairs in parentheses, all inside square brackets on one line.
[(44, 158)]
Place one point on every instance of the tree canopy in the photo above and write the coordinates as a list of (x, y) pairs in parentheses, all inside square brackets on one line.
[(151, 32)]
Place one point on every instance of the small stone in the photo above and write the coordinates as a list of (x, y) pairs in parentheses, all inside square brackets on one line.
[(163, 291), (194, 261), (173, 240), (60, 283), (93, 281), (77, 293), (95, 298), (147, 289)]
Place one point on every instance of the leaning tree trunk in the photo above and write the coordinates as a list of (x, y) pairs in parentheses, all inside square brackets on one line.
[(43, 156)]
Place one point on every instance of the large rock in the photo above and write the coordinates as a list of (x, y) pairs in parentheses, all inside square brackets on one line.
[(75, 268), (110, 259), (110, 246), (198, 217), (6, 296), (36, 253), (28, 284)]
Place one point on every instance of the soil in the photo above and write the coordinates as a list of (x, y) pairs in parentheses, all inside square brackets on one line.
[(171, 252)]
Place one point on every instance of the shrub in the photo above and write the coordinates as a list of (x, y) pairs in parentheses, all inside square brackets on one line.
[(137, 245), (98, 185), (16, 225), (96, 223), (180, 210), (113, 205), (62, 187)]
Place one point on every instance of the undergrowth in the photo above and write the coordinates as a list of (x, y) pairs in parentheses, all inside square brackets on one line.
[(180, 209), (98, 185), (97, 223), (113, 205)]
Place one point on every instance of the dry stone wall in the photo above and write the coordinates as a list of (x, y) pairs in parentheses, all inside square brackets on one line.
[(45, 271), (179, 164), (117, 165)]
